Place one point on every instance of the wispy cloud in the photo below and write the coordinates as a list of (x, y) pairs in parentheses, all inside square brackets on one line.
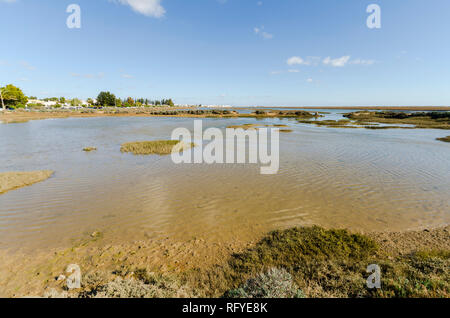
[(260, 31), (150, 8), (27, 66), (362, 62), (334, 62)]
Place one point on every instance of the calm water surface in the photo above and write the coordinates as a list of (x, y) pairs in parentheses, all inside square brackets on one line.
[(367, 180)]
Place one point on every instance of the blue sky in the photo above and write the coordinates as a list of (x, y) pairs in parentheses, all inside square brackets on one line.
[(239, 52)]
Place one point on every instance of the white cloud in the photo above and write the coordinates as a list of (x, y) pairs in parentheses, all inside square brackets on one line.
[(310, 80), (337, 62), (150, 8), (127, 76), (293, 71), (309, 60), (296, 60)]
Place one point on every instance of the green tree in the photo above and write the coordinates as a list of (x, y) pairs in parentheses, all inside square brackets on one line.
[(90, 101), (75, 102), (106, 99), (12, 96), (130, 101), (62, 100)]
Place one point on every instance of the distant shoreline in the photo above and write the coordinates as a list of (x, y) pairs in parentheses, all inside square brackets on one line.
[(21, 116), (412, 108)]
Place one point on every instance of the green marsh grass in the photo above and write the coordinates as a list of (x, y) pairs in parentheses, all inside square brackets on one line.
[(158, 147), (326, 263), (444, 139)]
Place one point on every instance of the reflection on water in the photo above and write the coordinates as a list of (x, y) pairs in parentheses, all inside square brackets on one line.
[(353, 178)]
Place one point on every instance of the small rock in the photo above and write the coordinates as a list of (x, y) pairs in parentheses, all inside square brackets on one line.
[(61, 277)]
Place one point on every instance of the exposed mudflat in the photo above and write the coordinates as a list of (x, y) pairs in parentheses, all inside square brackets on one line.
[(15, 180)]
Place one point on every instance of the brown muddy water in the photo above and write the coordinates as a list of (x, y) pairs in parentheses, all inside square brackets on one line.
[(358, 179)]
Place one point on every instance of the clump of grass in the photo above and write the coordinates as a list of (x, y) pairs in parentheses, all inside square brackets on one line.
[(385, 127), (89, 149), (280, 125), (16, 121), (285, 114), (343, 123), (276, 283), (133, 284), (323, 263), (158, 147), (444, 139), (421, 274), (244, 126)]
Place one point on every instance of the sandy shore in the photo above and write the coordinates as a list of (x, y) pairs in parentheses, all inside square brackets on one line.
[(21, 116), (15, 180)]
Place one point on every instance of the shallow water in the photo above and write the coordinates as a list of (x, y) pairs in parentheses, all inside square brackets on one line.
[(368, 180)]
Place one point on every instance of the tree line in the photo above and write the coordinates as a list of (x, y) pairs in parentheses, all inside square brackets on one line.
[(13, 97), (109, 99)]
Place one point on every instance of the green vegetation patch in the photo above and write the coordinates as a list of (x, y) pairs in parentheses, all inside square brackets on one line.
[(444, 139), (284, 114), (158, 147), (434, 120), (244, 126), (343, 123), (89, 149), (330, 263)]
